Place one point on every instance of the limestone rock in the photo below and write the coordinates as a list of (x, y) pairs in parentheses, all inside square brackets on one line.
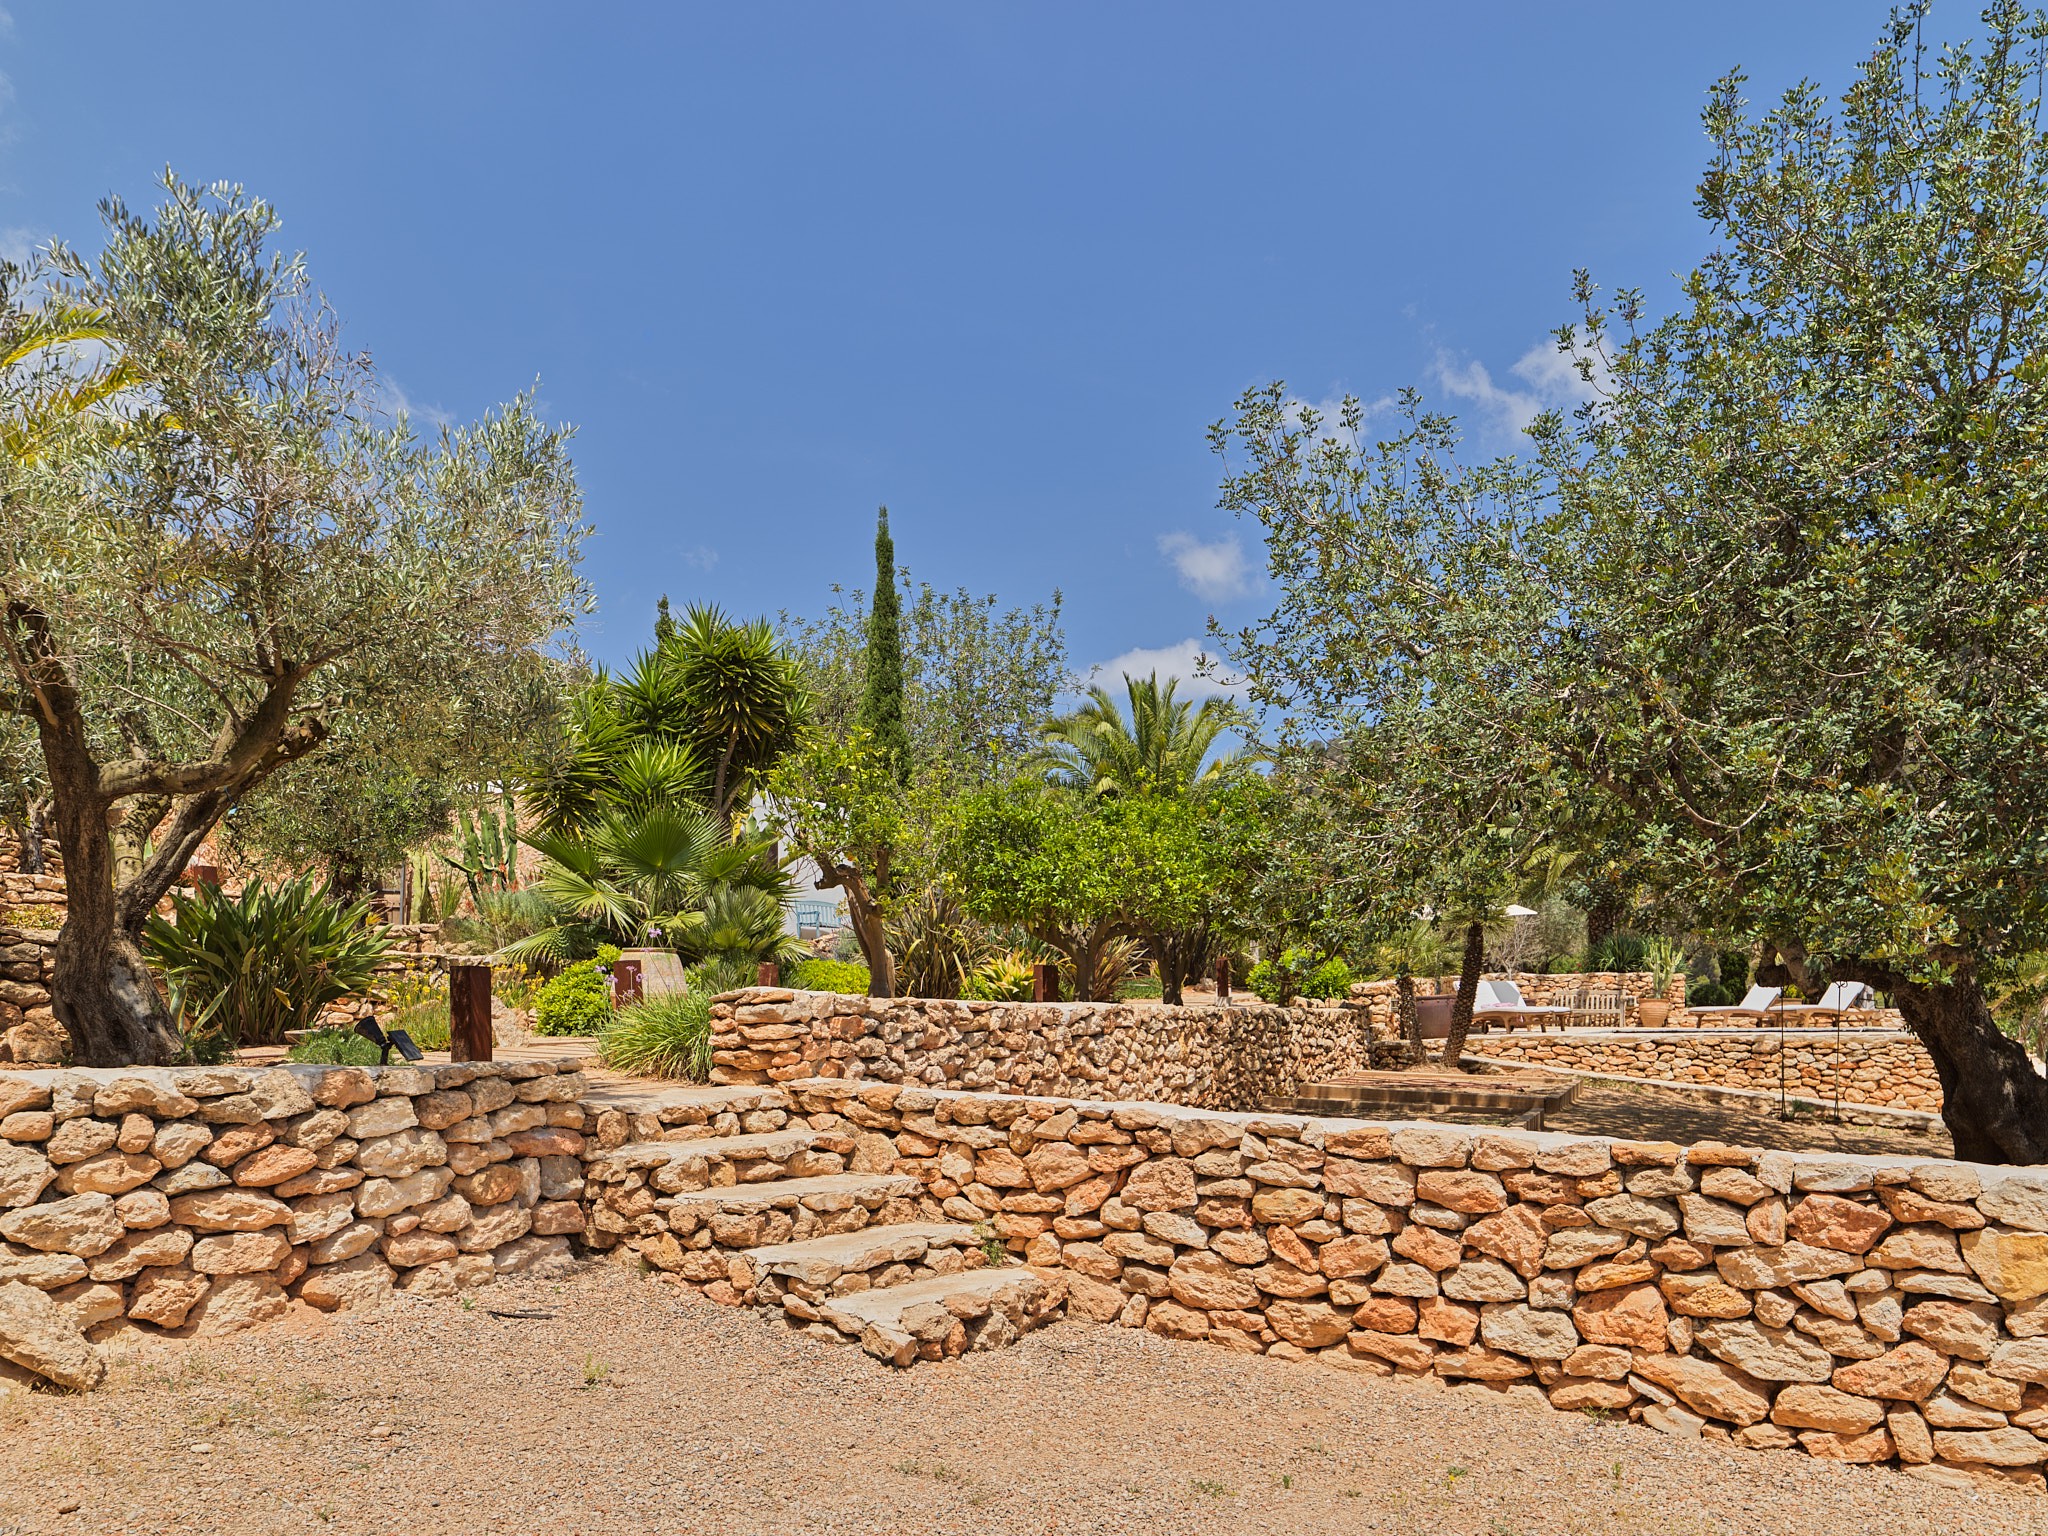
[(24, 1174), (1633, 1317), (44, 1271), (1769, 1354), (2012, 1265), (1817, 1407), (1308, 1324), (84, 1225), (235, 1303), (2018, 1200), (239, 1253), (401, 1154), (1714, 1222), (1993, 1447), (1483, 1280), (38, 1334), (1968, 1329), (1909, 1373), (165, 1296), (138, 1251), (1523, 1330), (1204, 1281), (1632, 1213), (229, 1210), (356, 1283), (1707, 1386), (1755, 1269)]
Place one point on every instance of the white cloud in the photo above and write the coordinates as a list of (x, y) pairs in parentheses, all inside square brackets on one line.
[(1182, 661), (17, 245), (1213, 571), (394, 401), (1551, 380), (699, 557)]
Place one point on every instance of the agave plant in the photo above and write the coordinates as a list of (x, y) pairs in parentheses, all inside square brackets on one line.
[(252, 966)]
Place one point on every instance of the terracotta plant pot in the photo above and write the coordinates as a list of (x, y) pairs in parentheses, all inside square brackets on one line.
[(1434, 1015), (1651, 1012)]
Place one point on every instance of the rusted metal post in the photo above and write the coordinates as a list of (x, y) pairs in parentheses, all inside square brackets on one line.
[(765, 974), (1045, 982), (197, 875), (1223, 978), (469, 1012), (625, 982)]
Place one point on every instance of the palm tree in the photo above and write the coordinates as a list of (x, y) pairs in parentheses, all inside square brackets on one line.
[(42, 348), (672, 877), (694, 721), (1164, 748)]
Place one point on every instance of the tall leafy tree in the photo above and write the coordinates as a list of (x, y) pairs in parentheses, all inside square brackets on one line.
[(1769, 615), (198, 586), (881, 709)]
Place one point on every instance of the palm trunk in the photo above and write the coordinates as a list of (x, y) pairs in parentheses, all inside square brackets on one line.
[(1468, 994), (1410, 1025)]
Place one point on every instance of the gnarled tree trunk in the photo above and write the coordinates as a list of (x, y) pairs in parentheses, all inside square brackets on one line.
[(1992, 1100)]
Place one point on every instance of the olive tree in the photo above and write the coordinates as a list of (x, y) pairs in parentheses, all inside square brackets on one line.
[(231, 556), (1765, 619)]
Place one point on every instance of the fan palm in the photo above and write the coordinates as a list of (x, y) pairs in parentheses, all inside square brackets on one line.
[(1166, 747), (647, 877), (44, 345), (745, 696)]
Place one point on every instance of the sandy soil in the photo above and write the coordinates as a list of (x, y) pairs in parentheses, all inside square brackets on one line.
[(633, 1409)]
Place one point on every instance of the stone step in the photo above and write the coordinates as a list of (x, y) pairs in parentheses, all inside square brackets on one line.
[(820, 1262), (765, 1146), (825, 1194), (940, 1318)]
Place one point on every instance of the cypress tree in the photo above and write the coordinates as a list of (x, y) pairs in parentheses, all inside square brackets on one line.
[(881, 706)]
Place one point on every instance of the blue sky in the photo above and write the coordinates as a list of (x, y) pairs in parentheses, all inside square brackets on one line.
[(997, 266)]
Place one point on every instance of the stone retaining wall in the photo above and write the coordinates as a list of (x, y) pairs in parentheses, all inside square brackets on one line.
[(1230, 1056), (29, 1031), (1858, 1308), (1889, 1068), (199, 1200)]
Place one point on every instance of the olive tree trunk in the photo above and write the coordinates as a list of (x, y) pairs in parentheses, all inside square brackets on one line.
[(1993, 1101)]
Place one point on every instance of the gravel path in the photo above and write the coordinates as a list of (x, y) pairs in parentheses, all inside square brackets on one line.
[(635, 1409), (1660, 1114)]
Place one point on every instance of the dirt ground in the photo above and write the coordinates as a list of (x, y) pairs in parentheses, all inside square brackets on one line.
[(1653, 1114), (634, 1409)]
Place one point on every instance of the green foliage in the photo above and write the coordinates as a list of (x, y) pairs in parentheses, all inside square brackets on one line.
[(881, 708), (695, 721), (665, 1036), (578, 1001), (274, 563), (1166, 747), (1662, 958), (487, 856), (937, 947), (1760, 629), (1618, 951), (1002, 978), (1298, 974), (849, 978), (250, 967), (335, 1048)]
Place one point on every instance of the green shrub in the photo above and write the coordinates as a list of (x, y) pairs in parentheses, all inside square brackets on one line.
[(577, 1002), (846, 976), (1330, 979), (1273, 983), (335, 1048), (247, 968), (665, 1036)]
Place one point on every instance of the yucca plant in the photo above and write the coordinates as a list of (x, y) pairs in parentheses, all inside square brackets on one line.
[(252, 966), (665, 1036)]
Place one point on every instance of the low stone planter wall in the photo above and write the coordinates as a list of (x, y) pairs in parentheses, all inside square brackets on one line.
[(1539, 991), (1860, 1309), (200, 1200), (1887, 1068), (1224, 1056), (29, 1031)]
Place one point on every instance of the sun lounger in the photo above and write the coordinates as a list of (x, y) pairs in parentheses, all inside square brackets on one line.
[(1501, 1002), (1756, 1005)]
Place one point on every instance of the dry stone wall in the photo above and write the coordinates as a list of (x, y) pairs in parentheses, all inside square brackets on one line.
[(201, 1200), (29, 1031), (1887, 1068), (1222, 1056), (1860, 1309)]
